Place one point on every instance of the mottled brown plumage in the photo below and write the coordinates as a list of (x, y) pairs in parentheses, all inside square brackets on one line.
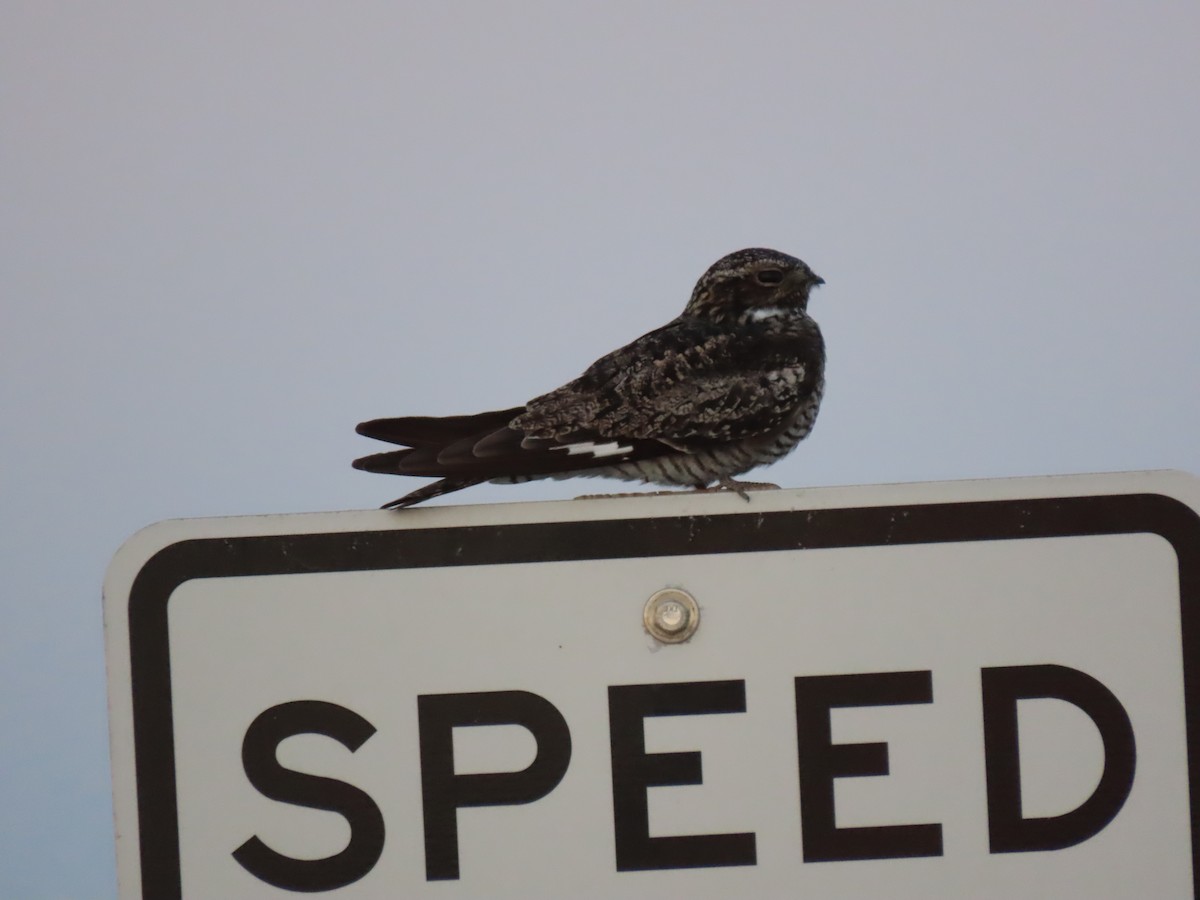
[(733, 382)]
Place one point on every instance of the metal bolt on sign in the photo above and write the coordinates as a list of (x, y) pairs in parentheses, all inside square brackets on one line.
[(671, 616)]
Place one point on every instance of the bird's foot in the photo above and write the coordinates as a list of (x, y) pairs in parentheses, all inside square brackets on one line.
[(626, 494), (741, 488)]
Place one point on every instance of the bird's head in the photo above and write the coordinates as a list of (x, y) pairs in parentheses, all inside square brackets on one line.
[(752, 281)]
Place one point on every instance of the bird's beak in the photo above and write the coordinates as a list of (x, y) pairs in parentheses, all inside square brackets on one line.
[(802, 280)]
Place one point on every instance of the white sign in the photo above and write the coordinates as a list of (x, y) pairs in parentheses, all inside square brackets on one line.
[(973, 689)]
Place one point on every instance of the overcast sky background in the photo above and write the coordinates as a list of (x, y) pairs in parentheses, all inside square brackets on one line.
[(229, 232)]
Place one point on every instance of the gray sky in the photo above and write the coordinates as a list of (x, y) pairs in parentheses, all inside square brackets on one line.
[(231, 231)]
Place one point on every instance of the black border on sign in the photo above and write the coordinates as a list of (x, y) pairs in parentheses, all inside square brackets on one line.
[(992, 520)]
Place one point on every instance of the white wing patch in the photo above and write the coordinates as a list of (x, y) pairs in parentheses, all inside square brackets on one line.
[(613, 448)]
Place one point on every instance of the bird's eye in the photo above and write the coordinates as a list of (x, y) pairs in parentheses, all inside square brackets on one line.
[(769, 276)]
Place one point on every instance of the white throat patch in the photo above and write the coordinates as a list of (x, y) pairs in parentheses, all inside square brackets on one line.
[(769, 312)]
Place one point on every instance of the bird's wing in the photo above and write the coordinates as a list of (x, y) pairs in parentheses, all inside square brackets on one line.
[(686, 385), (435, 431)]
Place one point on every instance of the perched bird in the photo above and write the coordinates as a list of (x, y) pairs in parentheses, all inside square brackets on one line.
[(732, 383)]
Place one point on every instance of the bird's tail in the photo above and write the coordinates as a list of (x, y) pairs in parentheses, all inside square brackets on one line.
[(445, 486), (423, 439), (388, 463)]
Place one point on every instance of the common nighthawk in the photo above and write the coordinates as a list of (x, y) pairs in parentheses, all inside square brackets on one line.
[(732, 383)]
